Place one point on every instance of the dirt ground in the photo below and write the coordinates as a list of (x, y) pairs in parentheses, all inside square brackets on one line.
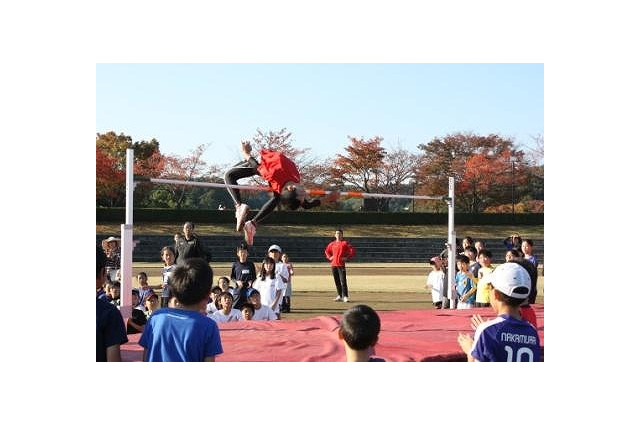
[(384, 287)]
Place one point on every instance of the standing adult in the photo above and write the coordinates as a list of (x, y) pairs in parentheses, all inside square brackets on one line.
[(338, 252), (111, 247), (191, 246)]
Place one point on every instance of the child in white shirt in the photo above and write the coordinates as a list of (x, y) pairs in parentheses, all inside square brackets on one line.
[(227, 313), (269, 285), (435, 281)]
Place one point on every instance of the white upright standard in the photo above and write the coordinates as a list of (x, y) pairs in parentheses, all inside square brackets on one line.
[(126, 247), (451, 248)]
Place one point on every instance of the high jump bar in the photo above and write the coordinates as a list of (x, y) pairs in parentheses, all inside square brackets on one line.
[(353, 194)]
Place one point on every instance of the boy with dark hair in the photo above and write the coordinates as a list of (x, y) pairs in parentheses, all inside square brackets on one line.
[(114, 293), (358, 331), (138, 319), (243, 272), (181, 332), (465, 283), (248, 311), (110, 330), (508, 337), (284, 180)]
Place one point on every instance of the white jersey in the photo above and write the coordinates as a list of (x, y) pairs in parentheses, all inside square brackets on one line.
[(283, 273), (220, 316), (268, 289), (211, 308), (435, 280), (265, 313)]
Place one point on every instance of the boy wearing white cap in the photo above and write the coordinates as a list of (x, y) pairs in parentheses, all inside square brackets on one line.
[(507, 338)]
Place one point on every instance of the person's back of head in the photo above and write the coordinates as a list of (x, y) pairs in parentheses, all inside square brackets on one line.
[(533, 275), (360, 327), (191, 282), (513, 283)]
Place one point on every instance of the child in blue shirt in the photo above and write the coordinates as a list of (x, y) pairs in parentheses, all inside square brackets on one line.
[(182, 332), (465, 283)]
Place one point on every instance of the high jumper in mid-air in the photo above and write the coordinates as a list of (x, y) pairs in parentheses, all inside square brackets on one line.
[(283, 178)]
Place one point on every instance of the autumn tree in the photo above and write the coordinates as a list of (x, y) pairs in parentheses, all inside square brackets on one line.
[(482, 167), (111, 154), (109, 179), (191, 168), (398, 169), (362, 165), (369, 167)]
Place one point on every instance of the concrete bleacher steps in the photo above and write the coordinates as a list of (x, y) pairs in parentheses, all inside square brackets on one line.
[(311, 249)]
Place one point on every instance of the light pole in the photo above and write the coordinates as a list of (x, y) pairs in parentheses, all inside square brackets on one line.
[(513, 187)]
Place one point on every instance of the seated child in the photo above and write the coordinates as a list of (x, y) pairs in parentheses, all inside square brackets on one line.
[(508, 337), (247, 311), (214, 301), (225, 285), (152, 304), (226, 313), (114, 293), (144, 288), (359, 329), (138, 319), (262, 312), (180, 332)]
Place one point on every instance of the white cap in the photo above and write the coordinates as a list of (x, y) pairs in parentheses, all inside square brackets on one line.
[(510, 279), (275, 247)]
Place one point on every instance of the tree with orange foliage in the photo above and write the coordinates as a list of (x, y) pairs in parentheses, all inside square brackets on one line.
[(111, 163), (362, 166), (371, 168), (481, 165), (109, 179)]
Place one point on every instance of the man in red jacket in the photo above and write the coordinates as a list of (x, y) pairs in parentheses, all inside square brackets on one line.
[(284, 180), (337, 252)]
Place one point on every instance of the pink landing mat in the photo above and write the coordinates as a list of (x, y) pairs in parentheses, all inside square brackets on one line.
[(417, 335)]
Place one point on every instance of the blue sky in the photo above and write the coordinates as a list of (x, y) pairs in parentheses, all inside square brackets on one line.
[(184, 105)]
